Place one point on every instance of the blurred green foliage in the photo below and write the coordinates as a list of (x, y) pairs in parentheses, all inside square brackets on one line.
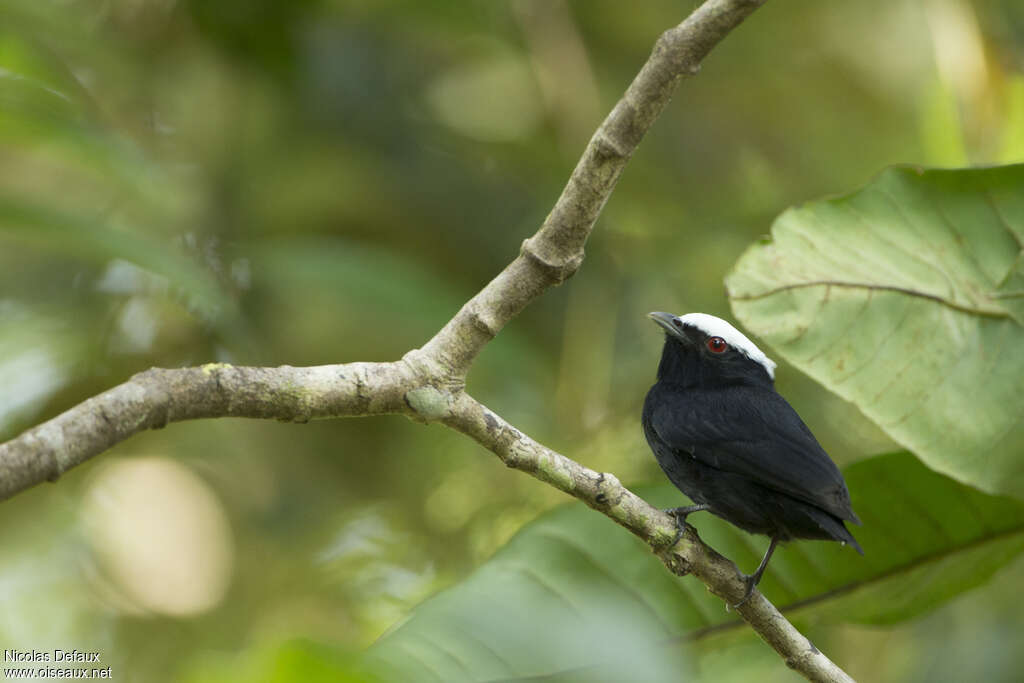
[(317, 182), (610, 606)]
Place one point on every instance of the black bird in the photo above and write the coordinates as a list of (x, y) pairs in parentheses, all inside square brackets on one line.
[(730, 442)]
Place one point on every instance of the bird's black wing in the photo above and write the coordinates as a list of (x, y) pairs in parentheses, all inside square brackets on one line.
[(755, 433)]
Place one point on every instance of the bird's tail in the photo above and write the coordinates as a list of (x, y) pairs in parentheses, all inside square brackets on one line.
[(835, 528)]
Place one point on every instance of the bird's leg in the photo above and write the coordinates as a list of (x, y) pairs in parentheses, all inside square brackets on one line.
[(755, 578), (680, 514)]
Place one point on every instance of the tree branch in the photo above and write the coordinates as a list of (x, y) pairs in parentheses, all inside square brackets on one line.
[(428, 383), (157, 397), (555, 252)]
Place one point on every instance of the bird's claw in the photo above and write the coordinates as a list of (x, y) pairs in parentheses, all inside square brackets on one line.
[(751, 581), (680, 524), (680, 514)]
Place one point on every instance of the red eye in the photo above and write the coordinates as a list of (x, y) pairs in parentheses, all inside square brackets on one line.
[(717, 345)]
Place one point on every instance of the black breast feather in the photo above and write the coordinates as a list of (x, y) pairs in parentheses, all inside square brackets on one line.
[(753, 432)]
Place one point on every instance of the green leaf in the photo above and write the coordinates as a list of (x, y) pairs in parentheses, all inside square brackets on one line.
[(88, 238), (49, 117), (573, 591), (907, 299)]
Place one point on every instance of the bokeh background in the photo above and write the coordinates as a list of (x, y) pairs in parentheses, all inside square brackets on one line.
[(321, 181)]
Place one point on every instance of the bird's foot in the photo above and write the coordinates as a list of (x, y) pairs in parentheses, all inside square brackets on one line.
[(680, 515), (751, 581)]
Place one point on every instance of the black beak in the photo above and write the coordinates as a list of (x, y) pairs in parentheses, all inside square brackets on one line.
[(668, 321)]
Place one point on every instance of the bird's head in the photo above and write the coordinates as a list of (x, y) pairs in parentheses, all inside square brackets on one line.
[(702, 350)]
